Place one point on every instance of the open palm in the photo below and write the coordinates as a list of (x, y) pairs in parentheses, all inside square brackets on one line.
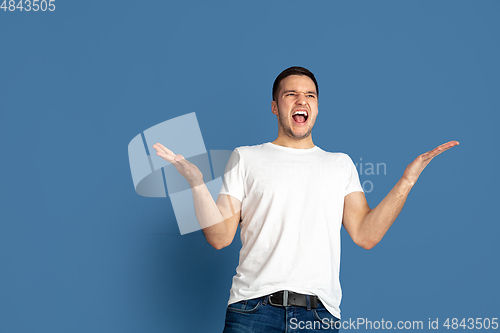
[(187, 169), (415, 168)]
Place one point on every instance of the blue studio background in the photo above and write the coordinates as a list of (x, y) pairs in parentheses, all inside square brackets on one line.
[(80, 251)]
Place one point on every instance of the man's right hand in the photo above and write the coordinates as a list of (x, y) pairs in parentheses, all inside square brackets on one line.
[(187, 169)]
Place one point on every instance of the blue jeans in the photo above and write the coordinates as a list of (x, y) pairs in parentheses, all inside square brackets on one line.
[(256, 315)]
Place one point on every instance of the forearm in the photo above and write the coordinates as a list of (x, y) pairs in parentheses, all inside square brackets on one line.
[(378, 220), (368, 226), (218, 220), (209, 216)]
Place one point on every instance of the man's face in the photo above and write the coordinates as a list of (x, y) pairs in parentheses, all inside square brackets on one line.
[(296, 106)]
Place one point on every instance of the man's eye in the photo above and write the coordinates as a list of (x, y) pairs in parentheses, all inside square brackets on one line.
[(290, 94), (311, 96)]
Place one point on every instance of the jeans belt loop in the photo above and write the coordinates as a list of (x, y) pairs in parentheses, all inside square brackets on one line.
[(285, 298)]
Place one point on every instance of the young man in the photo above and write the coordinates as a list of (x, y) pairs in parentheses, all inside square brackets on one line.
[(290, 199)]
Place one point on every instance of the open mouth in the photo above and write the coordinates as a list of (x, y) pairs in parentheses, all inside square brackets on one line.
[(300, 116)]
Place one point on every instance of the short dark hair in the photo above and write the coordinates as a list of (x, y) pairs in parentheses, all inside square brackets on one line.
[(294, 70)]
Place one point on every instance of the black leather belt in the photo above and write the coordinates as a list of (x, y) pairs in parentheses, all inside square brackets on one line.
[(287, 298)]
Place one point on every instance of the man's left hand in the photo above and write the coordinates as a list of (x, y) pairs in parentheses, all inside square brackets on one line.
[(415, 168)]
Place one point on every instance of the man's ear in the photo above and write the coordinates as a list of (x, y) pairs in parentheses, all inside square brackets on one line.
[(274, 108)]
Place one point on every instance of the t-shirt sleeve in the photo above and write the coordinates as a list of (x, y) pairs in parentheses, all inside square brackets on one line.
[(233, 179), (353, 184)]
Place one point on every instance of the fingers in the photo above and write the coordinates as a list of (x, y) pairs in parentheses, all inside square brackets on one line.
[(164, 152), (445, 146), (177, 160), (440, 149), (186, 169), (160, 147)]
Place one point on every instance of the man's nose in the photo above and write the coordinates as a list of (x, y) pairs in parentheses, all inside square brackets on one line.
[(301, 99)]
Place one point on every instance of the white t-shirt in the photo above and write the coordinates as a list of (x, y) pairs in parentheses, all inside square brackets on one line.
[(292, 205)]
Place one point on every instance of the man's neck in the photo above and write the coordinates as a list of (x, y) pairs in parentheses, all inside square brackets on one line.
[(294, 143)]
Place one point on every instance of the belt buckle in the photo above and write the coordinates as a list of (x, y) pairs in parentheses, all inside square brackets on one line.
[(285, 299)]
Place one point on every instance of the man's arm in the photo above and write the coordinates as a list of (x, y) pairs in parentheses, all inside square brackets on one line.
[(368, 226), (218, 220)]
